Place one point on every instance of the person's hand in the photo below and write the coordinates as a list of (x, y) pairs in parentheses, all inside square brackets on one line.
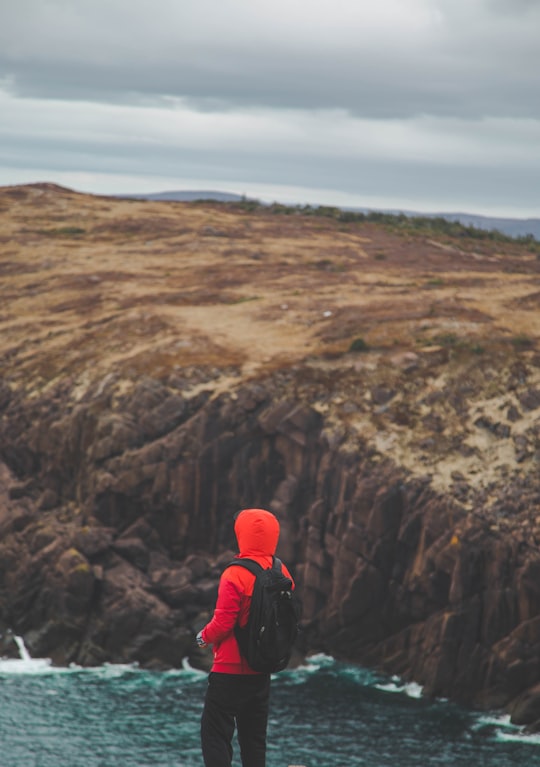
[(200, 641)]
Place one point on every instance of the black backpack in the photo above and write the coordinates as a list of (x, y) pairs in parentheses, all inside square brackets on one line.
[(266, 641)]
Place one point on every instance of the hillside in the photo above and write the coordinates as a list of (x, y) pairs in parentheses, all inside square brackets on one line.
[(375, 383), (96, 287)]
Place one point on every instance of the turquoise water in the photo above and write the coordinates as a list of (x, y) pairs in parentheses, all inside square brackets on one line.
[(326, 714)]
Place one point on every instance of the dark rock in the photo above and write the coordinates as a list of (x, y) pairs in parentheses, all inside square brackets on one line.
[(48, 500), (174, 586), (93, 541), (513, 414), (163, 418), (525, 709), (15, 519), (114, 434), (530, 400), (5, 395), (499, 429), (23, 489), (198, 565), (134, 550), (380, 395)]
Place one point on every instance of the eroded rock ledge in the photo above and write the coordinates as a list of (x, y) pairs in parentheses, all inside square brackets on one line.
[(116, 522)]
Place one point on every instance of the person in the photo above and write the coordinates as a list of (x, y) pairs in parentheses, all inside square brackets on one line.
[(237, 696)]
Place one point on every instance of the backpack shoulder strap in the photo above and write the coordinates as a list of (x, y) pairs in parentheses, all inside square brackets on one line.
[(249, 564)]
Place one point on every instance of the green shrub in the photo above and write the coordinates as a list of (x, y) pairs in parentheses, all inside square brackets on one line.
[(522, 341), (358, 345), (446, 339), (64, 231)]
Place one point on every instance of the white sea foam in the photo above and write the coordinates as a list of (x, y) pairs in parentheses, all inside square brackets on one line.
[(111, 670), (503, 731), (505, 736), (25, 664), (411, 689), (492, 719), (186, 666), (32, 666), (23, 652), (312, 664), (318, 661)]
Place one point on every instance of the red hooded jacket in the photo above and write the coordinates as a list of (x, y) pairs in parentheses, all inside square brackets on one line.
[(257, 533)]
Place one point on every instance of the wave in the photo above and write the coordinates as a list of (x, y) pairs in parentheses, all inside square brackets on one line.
[(396, 685), (518, 737), (502, 730), (28, 666), (20, 666)]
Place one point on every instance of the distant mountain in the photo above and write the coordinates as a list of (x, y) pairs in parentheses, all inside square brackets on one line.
[(512, 227), (186, 196)]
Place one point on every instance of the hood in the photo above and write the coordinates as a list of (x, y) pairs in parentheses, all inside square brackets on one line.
[(257, 532)]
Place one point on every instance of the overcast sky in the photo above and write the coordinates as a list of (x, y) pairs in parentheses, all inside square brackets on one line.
[(427, 105)]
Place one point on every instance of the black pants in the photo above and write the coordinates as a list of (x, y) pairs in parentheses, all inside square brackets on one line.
[(240, 699)]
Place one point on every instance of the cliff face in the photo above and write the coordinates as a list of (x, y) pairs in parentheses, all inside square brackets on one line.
[(120, 522), (405, 477)]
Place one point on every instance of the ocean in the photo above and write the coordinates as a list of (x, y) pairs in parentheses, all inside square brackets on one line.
[(323, 714)]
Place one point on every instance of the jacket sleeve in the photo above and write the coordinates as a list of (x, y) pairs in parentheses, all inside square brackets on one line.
[(226, 612)]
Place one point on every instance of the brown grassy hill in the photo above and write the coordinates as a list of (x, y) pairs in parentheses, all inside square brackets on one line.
[(419, 340)]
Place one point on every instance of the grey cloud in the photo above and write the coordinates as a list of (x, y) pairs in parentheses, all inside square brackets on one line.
[(469, 65), (368, 88)]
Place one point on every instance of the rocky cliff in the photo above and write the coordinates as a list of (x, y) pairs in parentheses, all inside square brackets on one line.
[(403, 469)]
